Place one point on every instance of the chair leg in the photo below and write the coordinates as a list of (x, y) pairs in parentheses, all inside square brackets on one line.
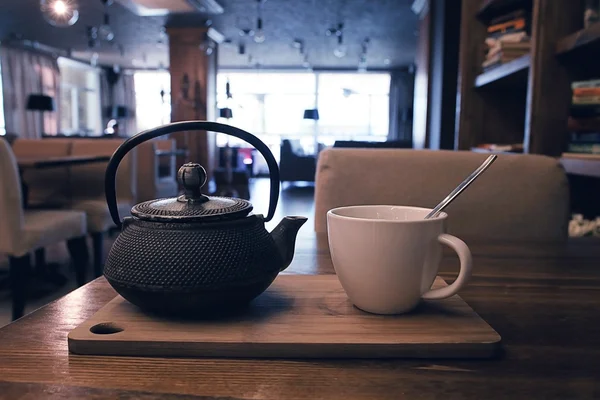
[(40, 259), (79, 257), (20, 272), (98, 242)]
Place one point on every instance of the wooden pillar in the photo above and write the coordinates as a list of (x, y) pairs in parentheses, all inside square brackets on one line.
[(193, 79)]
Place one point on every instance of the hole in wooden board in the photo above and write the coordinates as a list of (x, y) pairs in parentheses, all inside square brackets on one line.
[(105, 328)]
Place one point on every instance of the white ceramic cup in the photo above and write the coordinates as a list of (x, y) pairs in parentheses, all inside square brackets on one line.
[(387, 257)]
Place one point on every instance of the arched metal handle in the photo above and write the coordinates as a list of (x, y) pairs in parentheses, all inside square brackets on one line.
[(129, 144)]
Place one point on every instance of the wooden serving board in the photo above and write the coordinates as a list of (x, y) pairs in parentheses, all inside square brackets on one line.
[(299, 316)]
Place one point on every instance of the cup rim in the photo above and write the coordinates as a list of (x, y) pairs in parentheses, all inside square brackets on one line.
[(332, 214)]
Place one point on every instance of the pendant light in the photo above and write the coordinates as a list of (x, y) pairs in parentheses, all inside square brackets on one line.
[(105, 32), (362, 61), (60, 13), (259, 35), (340, 48)]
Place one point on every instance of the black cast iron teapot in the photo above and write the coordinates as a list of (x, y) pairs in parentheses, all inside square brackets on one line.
[(194, 255)]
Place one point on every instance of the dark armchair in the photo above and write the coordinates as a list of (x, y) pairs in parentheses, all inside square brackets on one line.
[(295, 167)]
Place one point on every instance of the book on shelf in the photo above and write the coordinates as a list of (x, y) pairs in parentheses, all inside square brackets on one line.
[(515, 25), (514, 37), (593, 83), (587, 148), (583, 91), (585, 137), (576, 100), (499, 60), (507, 39)]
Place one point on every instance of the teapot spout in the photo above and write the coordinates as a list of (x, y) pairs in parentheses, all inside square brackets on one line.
[(284, 236)]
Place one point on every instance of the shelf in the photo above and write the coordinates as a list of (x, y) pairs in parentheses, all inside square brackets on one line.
[(585, 39), (512, 72), (581, 164), (491, 9)]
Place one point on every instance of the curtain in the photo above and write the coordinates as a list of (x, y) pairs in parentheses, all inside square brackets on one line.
[(119, 93), (26, 72), (401, 98)]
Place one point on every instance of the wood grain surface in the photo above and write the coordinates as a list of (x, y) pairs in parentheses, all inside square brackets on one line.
[(299, 316), (544, 300)]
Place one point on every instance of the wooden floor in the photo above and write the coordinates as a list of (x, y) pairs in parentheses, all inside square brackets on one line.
[(294, 200)]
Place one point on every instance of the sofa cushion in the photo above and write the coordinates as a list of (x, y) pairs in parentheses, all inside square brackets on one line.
[(520, 197)]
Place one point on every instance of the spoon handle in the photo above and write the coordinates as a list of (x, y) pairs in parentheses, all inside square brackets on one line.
[(463, 185)]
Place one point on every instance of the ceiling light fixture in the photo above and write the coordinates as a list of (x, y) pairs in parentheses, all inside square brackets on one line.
[(305, 62), (340, 49), (299, 44), (259, 35), (207, 46), (362, 62), (60, 13), (105, 32)]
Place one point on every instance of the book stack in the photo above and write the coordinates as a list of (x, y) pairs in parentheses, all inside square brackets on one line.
[(507, 39), (584, 119)]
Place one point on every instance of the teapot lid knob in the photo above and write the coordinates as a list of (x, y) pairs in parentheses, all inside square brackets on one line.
[(192, 177)]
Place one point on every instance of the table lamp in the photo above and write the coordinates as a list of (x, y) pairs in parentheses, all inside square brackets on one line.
[(311, 114), (42, 103), (226, 113)]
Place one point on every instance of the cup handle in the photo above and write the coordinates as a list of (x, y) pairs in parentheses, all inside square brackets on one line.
[(466, 264)]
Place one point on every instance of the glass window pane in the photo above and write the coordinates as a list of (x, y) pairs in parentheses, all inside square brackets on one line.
[(352, 106), (284, 114), (354, 83), (80, 98), (152, 110), (380, 115)]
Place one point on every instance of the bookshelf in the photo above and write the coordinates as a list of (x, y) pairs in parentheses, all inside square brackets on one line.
[(587, 40), (526, 100), (515, 70)]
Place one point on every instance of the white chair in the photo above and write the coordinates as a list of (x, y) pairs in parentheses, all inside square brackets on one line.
[(23, 232)]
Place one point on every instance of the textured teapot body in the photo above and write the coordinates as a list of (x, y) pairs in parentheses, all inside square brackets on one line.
[(216, 266)]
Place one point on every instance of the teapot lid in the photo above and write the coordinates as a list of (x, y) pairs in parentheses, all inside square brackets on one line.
[(192, 205)]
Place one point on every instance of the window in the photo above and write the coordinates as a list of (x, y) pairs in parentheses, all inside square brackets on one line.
[(152, 108), (352, 106), (79, 98), (2, 122)]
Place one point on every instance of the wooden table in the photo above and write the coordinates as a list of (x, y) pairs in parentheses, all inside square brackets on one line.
[(53, 162), (543, 300)]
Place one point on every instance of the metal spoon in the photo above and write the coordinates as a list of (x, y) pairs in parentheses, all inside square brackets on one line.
[(463, 185)]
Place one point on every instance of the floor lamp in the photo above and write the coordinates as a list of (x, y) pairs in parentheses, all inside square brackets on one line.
[(313, 114)]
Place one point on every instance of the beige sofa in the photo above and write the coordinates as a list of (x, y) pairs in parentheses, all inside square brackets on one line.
[(521, 197)]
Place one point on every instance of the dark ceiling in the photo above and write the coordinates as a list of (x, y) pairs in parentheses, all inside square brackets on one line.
[(389, 24)]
